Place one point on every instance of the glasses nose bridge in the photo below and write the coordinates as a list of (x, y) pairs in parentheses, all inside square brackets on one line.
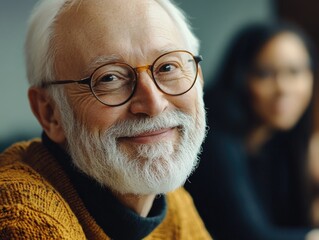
[(147, 68)]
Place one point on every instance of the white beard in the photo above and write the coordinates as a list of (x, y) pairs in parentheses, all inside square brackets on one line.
[(149, 169)]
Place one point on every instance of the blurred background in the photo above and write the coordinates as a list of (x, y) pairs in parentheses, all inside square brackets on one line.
[(214, 22)]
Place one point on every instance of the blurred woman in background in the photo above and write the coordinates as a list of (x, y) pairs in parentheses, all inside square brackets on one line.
[(252, 182)]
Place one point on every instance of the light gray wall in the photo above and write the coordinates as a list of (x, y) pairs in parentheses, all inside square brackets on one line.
[(16, 118), (213, 20)]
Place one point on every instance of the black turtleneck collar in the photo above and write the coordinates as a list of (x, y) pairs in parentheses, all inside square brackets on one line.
[(118, 221)]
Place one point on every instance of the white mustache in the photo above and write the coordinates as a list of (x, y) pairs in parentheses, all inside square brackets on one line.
[(133, 127)]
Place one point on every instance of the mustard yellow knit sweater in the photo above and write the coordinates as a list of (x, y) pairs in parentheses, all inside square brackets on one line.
[(38, 201)]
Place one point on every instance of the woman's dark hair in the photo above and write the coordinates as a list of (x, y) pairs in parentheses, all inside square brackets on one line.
[(228, 99)]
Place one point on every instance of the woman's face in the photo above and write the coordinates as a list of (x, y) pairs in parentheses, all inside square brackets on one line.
[(281, 83)]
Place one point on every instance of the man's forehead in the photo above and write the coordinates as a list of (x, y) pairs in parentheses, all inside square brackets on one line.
[(96, 28), (121, 20), (113, 11)]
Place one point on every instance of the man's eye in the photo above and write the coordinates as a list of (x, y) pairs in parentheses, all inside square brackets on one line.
[(167, 68), (108, 78)]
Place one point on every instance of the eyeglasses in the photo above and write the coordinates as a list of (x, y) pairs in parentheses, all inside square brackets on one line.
[(113, 84)]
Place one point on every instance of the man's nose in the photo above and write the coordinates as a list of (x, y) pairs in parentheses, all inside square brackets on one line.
[(147, 99)]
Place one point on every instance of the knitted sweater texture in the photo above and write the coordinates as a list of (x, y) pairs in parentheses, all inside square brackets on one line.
[(38, 201)]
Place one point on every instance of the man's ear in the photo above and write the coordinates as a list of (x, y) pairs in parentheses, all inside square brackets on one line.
[(200, 73), (47, 113)]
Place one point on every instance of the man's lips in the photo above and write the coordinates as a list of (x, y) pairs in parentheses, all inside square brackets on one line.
[(149, 137)]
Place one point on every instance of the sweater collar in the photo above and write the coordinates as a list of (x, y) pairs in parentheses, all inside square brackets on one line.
[(118, 221)]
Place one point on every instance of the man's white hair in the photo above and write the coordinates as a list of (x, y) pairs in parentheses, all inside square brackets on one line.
[(39, 47)]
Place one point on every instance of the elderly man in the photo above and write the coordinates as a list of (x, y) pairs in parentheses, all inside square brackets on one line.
[(117, 89)]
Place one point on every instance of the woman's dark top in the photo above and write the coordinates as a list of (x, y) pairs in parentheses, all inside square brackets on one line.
[(242, 197)]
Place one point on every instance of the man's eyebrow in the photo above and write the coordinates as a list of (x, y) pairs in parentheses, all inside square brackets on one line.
[(100, 60), (167, 49)]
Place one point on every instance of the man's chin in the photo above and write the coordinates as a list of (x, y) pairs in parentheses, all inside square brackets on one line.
[(144, 183)]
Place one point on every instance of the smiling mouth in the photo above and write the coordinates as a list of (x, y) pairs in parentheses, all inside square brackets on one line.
[(153, 133), (152, 136)]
